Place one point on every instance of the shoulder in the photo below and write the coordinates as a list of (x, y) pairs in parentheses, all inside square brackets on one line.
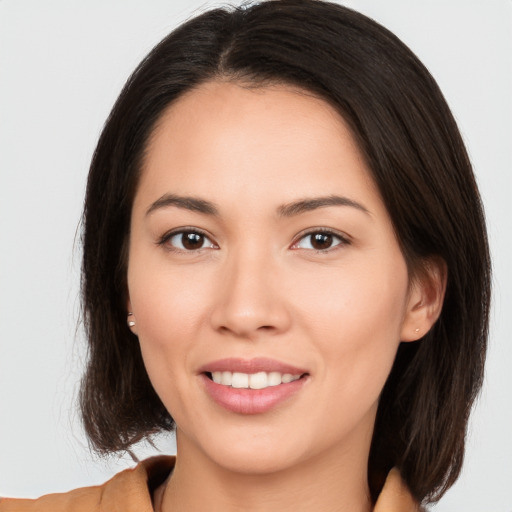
[(129, 490)]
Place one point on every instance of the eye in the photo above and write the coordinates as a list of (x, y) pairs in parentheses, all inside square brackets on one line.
[(187, 241), (320, 240)]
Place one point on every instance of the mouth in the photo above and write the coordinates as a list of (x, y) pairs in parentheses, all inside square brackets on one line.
[(259, 380), (252, 386)]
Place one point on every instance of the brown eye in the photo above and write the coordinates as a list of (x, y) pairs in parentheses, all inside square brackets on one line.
[(320, 241), (189, 241), (192, 241)]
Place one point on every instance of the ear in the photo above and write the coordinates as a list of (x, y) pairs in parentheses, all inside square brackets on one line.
[(425, 300), (130, 318)]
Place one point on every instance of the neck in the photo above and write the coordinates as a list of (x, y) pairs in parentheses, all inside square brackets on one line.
[(332, 482)]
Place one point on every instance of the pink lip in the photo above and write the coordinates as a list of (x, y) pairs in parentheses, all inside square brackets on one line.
[(251, 401), (259, 364)]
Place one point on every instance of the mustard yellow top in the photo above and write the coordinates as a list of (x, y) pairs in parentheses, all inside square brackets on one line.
[(131, 491)]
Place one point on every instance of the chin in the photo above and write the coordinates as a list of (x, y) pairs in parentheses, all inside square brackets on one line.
[(251, 451), (256, 462)]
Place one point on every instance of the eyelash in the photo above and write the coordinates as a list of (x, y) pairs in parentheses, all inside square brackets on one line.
[(164, 240), (343, 239)]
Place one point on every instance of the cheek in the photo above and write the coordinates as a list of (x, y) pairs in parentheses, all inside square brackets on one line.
[(354, 322), (168, 311), (169, 308), (167, 324), (355, 301), (354, 317), (167, 298)]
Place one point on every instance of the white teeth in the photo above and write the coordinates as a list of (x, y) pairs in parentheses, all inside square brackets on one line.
[(227, 378), (274, 379), (240, 380), (260, 380)]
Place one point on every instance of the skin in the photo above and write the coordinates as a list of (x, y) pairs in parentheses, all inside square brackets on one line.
[(258, 288)]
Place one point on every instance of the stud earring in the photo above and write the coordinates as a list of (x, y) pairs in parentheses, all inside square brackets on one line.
[(417, 330), (131, 323)]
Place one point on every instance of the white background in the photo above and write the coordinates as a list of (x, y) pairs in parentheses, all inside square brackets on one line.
[(62, 64)]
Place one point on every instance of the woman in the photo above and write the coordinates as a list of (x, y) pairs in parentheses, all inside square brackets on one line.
[(284, 259)]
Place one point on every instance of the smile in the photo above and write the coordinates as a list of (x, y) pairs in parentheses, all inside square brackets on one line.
[(260, 380), (252, 386)]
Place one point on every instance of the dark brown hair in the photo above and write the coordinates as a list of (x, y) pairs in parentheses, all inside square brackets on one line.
[(414, 150)]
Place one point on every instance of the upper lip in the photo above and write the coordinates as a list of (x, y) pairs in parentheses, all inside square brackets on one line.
[(258, 364)]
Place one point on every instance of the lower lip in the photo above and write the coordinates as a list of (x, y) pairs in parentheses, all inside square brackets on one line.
[(251, 401)]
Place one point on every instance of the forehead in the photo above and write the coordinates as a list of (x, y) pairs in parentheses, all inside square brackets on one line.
[(276, 114), (252, 144)]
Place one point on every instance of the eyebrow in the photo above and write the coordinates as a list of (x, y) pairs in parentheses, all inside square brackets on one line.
[(199, 205), (309, 204), (186, 202)]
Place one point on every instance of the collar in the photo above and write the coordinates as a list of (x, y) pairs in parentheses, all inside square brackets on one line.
[(131, 490), (395, 496)]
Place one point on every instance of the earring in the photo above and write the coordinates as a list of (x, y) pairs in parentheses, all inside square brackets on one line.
[(417, 330), (131, 323)]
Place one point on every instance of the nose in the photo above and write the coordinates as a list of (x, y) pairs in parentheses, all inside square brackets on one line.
[(251, 301)]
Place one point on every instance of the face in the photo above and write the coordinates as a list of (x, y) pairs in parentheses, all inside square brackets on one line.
[(267, 286)]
